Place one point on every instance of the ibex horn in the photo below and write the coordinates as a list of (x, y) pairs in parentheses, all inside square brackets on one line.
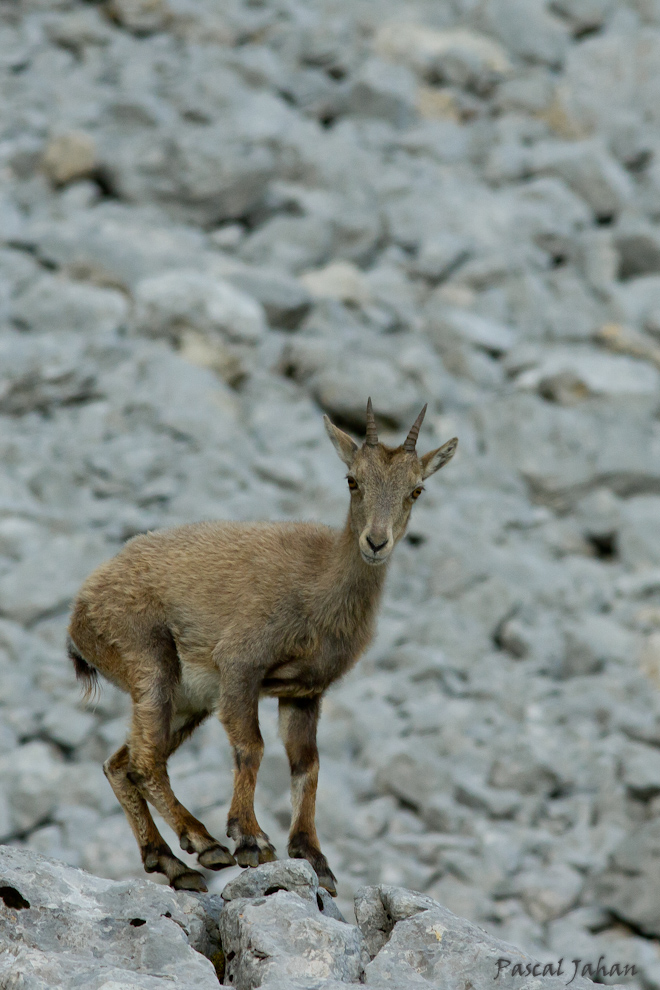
[(411, 439), (371, 438)]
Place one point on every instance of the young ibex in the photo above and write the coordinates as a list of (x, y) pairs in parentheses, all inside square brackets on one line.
[(207, 617)]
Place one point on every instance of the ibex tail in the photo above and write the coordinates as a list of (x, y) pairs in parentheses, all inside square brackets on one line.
[(85, 673)]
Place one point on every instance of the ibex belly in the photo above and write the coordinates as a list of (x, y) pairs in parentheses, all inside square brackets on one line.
[(198, 689)]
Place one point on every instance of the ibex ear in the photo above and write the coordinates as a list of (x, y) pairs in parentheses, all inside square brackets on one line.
[(343, 444), (436, 459)]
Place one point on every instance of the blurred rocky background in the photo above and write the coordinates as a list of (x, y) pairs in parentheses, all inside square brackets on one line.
[(217, 222)]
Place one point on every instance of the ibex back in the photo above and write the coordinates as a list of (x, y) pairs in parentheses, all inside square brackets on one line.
[(203, 619)]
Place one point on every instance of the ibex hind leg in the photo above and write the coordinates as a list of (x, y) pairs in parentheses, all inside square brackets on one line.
[(151, 741), (157, 857), (148, 772)]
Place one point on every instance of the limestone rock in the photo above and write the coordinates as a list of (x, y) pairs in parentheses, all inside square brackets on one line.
[(641, 770), (68, 157), (286, 300), (459, 56), (62, 926), (56, 304), (168, 304), (589, 374), (638, 245), (140, 15), (416, 942), (295, 875), (383, 91), (629, 884), (527, 28), (588, 169), (639, 534), (282, 936), (340, 280)]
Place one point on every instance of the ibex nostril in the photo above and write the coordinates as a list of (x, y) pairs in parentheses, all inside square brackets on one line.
[(375, 546)]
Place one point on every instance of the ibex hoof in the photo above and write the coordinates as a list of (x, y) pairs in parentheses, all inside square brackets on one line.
[(247, 854), (216, 858), (189, 880), (328, 881), (301, 848)]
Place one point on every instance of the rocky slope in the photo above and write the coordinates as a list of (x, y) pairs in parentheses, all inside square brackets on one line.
[(219, 221), (273, 927)]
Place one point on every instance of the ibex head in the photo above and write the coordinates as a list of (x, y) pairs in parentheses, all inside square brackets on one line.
[(384, 482)]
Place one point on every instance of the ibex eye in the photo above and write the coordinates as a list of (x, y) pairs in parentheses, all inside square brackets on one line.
[(352, 483), (417, 492)]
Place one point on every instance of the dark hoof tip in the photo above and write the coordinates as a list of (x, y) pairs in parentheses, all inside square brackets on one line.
[(216, 858), (247, 855), (190, 880), (328, 882), (267, 855)]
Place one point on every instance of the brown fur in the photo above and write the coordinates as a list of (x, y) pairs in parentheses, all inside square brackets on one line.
[(207, 617)]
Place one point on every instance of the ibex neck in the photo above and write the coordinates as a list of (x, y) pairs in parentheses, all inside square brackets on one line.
[(360, 585)]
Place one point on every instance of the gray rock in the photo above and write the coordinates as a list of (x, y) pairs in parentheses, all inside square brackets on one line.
[(569, 373), (340, 280), (283, 936), (416, 942), (639, 533), (290, 243), (47, 576), (629, 884), (68, 157), (410, 775), (496, 802), (588, 169), (595, 641), (439, 256), (462, 57), (641, 770), (32, 776), (168, 304), (53, 305), (383, 91), (63, 927), (638, 245), (451, 325), (328, 905), (603, 89), (527, 29), (529, 92), (67, 726), (565, 454), (549, 893), (199, 175), (598, 259), (295, 875), (284, 299), (585, 15), (39, 375), (116, 245), (339, 389)]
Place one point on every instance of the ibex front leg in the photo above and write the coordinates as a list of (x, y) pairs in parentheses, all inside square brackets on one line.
[(298, 720), (239, 714)]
